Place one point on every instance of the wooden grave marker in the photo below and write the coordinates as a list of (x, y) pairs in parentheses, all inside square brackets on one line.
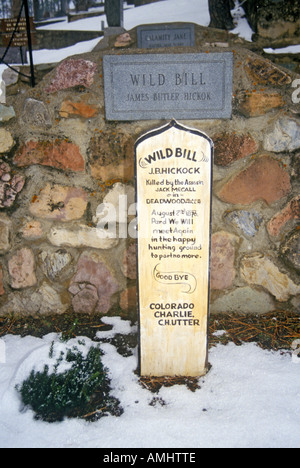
[(173, 186)]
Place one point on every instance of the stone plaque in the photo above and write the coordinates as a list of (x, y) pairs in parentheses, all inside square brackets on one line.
[(166, 86), (169, 35), (173, 184)]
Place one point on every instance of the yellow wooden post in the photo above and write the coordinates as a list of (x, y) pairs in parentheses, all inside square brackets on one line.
[(173, 185)]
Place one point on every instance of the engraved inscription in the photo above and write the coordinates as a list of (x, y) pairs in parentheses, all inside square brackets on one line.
[(189, 86), (173, 203), (171, 35)]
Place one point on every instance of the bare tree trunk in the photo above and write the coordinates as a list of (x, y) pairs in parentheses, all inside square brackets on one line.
[(64, 6), (82, 5), (220, 16), (251, 10), (114, 12), (37, 10), (15, 8)]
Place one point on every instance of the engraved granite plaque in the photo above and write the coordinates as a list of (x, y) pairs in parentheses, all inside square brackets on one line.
[(168, 35), (166, 86), (173, 185)]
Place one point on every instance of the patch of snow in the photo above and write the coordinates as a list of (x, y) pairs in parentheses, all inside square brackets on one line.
[(249, 398), (292, 49)]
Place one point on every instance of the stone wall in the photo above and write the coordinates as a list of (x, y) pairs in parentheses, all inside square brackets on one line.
[(60, 159), (274, 19)]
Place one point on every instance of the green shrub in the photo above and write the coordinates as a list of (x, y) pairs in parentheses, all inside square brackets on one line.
[(80, 391)]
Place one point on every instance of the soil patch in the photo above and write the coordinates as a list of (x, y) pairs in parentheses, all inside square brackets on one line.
[(273, 331)]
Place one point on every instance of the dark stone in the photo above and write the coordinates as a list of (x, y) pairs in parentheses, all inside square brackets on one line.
[(229, 147), (82, 5), (263, 72), (13, 55), (36, 113), (220, 16), (290, 250), (114, 12), (296, 166), (264, 15), (110, 147)]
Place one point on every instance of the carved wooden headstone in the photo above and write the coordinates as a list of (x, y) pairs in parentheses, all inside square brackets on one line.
[(173, 184)]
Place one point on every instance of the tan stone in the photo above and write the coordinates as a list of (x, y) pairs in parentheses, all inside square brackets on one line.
[(257, 269), (264, 179), (82, 237), (255, 104), (42, 301), (22, 269), (10, 77), (4, 233), (222, 260), (32, 229), (59, 203), (80, 109), (246, 300), (6, 141), (48, 301), (279, 28), (116, 204), (124, 40), (54, 263), (124, 170), (2, 290)]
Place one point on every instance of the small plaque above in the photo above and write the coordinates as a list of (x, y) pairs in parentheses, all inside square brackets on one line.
[(166, 86), (169, 35)]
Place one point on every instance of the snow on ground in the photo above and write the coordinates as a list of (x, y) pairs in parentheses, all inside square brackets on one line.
[(56, 56), (195, 11), (249, 398), (292, 49), (166, 11)]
